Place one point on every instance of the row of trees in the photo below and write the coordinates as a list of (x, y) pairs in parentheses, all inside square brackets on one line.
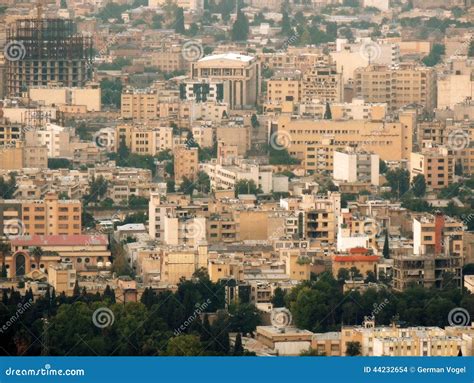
[(160, 324), (320, 305), (168, 323)]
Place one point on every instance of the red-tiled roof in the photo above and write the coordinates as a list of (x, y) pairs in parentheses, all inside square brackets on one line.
[(356, 258), (59, 240), (358, 250)]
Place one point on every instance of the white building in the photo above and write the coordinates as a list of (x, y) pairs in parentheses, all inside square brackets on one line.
[(225, 177), (356, 166)]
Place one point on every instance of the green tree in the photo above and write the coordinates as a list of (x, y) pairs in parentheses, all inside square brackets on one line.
[(353, 349), (4, 270), (386, 246), (418, 185), (240, 29), (437, 51), (245, 187), (470, 52), (399, 181), (187, 186), (203, 183), (286, 28), (170, 186), (8, 188), (111, 92), (244, 318), (278, 299), (184, 345), (59, 163), (179, 20), (123, 151), (238, 348), (327, 112), (383, 168), (97, 189), (254, 121)]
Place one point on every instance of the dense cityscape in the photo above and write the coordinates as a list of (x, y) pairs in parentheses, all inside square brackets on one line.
[(237, 178)]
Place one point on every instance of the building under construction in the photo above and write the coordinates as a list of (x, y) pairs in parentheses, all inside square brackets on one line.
[(46, 52)]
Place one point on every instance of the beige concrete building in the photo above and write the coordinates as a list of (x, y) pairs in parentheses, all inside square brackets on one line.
[(397, 341), (57, 139), (62, 277), (289, 341), (322, 83), (141, 139), (437, 250), (435, 164), (50, 216), (86, 253), (390, 140), (234, 134), (284, 88), (399, 86), (182, 263), (239, 73), (9, 132), (17, 157), (140, 105), (186, 163), (88, 97), (167, 58)]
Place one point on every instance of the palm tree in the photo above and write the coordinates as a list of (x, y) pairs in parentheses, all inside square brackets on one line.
[(37, 253)]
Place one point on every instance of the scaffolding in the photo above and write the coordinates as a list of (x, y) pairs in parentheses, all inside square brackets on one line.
[(49, 52)]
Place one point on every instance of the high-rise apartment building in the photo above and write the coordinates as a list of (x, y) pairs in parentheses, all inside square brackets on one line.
[(43, 52), (50, 216), (398, 86)]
